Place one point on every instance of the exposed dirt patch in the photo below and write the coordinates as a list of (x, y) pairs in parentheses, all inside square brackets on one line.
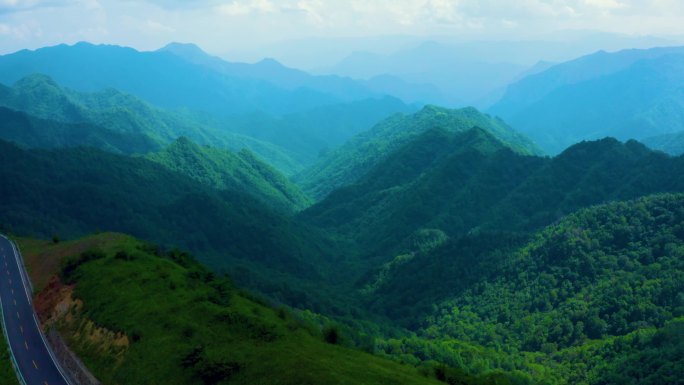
[(56, 307), (54, 301)]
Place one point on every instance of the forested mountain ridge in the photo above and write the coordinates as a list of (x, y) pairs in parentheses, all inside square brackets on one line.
[(289, 137), (346, 164), (41, 96), (132, 125), (471, 182), (408, 190), (224, 170), (631, 94)]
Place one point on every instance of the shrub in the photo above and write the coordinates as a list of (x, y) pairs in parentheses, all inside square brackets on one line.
[(331, 335), (70, 265)]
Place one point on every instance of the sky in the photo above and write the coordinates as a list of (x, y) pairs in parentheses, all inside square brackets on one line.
[(250, 27)]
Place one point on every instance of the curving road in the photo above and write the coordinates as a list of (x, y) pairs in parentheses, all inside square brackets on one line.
[(33, 359)]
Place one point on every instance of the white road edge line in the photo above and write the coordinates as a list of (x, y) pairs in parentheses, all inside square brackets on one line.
[(35, 320), (21, 273), (20, 376)]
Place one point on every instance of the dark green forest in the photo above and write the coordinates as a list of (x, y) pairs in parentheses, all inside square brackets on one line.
[(224, 170), (583, 298)]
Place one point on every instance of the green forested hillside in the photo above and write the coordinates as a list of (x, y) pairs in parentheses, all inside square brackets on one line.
[(171, 321), (29, 131), (289, 142), (114, 117), (40, 96), (470, 182), (224, 170), (585, 174), (72, 192), (351, 161), (436, 176), (594, 299)]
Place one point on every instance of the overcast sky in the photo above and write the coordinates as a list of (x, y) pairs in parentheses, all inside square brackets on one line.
[(223, 26)]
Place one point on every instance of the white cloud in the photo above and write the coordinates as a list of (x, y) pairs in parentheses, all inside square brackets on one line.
[(312, 9), (11, 6), (156, 27), (217, 24), (21, 32), (246, 7), (233, 9), (604, 4)]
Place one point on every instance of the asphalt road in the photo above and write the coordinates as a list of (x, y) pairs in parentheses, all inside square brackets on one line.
[(34, 360)]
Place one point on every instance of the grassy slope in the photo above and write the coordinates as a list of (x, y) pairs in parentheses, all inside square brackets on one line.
[(168, 308)]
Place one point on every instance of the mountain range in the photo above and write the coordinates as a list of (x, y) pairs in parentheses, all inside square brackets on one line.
[(270, 70), (465, 72), (342, 235), (111, 120), (161, 78), (631, 94), (259, 101)]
